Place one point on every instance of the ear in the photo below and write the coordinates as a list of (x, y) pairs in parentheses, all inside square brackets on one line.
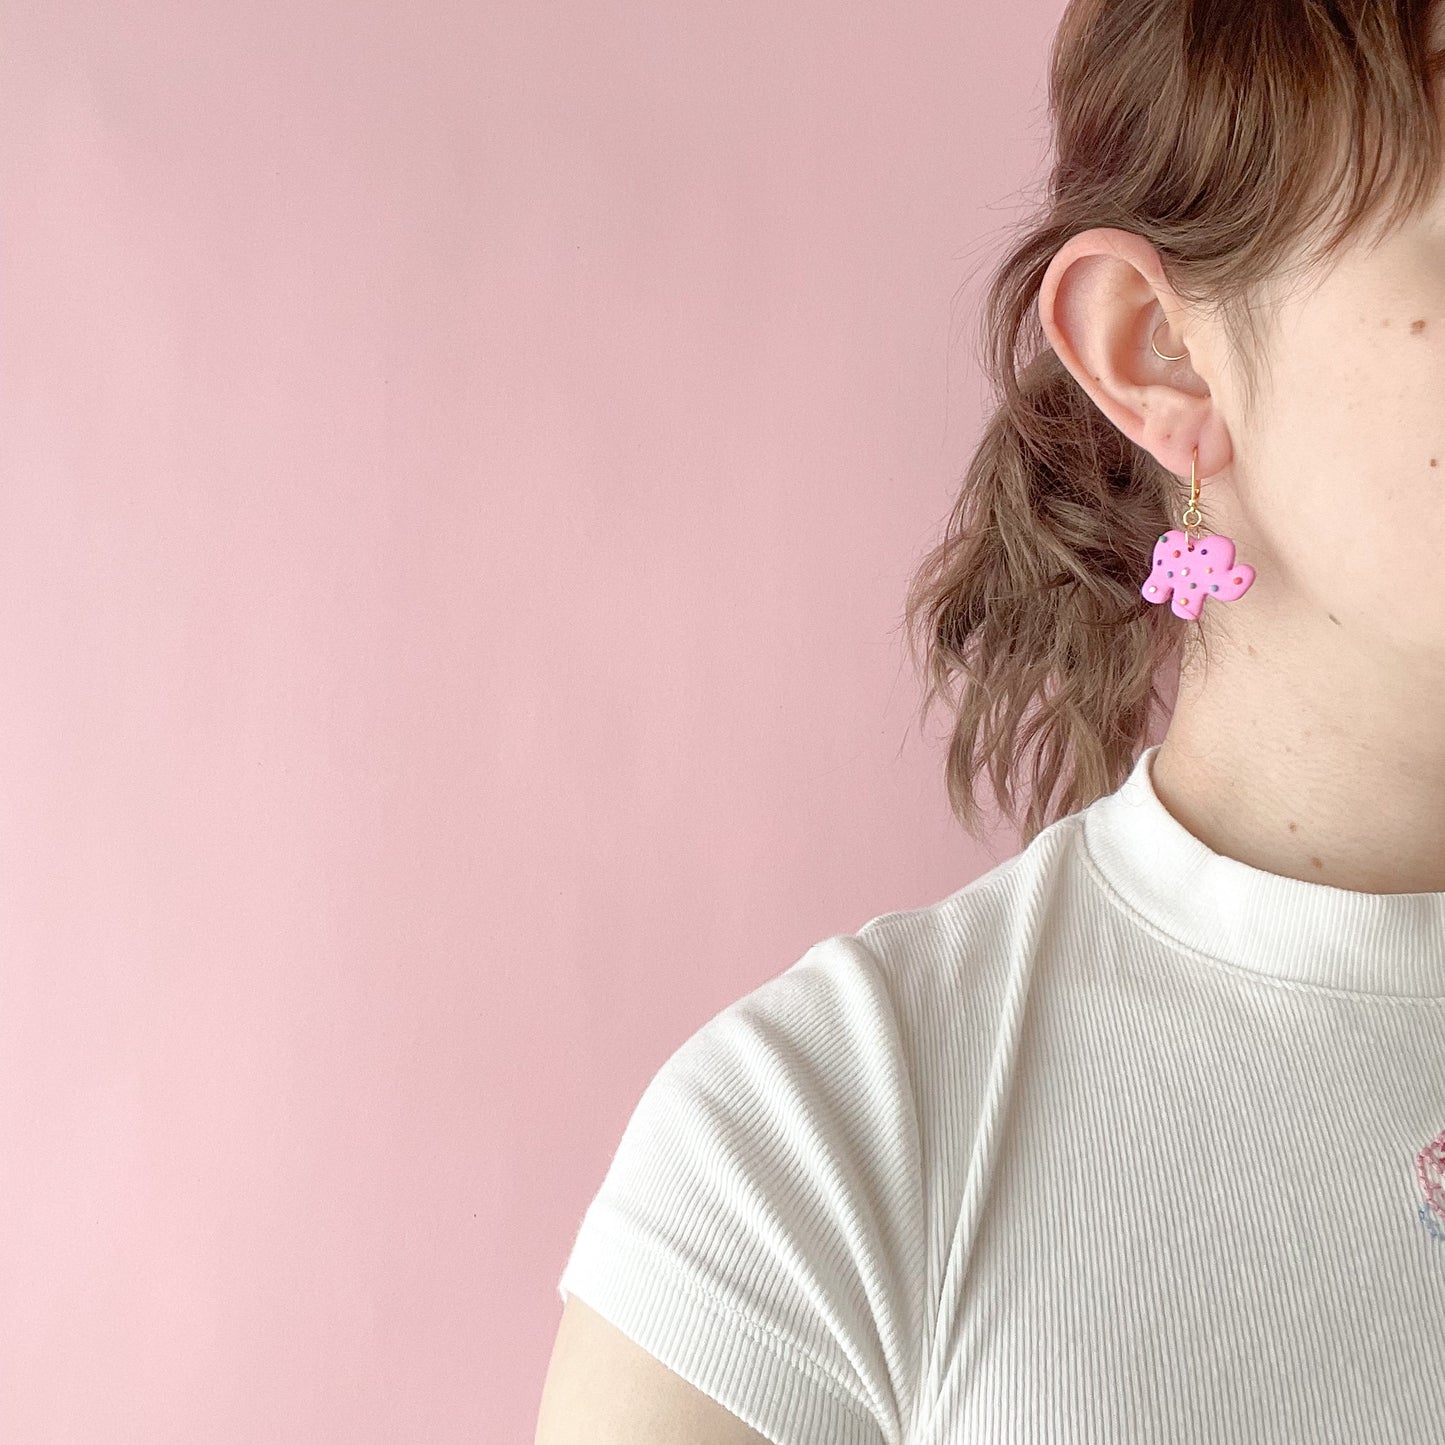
[(1102, 299)]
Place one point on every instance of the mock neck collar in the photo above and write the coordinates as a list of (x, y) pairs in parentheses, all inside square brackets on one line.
[(1284, 928)]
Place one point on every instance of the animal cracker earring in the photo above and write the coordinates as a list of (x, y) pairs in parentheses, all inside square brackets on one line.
[(1189, 572)]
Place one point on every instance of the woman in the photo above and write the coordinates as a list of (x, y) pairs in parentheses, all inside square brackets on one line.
[(1140, 1135)]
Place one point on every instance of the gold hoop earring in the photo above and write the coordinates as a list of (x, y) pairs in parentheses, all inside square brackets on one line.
[(1161, 355)]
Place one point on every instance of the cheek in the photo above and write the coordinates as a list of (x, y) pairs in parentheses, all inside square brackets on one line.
[(1344, 467), (1359, 426), (1368, 554)]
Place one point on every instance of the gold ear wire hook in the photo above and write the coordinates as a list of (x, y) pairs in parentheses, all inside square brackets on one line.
[(1193, 464), (1193, 498)]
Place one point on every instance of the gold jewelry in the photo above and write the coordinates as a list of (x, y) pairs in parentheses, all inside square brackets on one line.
[(1192, 510), (1161, 355)]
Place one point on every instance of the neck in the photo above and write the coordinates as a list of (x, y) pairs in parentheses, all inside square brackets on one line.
[(1329, 768)]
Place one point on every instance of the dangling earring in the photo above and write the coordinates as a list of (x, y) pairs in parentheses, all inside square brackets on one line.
[(1213, 573)]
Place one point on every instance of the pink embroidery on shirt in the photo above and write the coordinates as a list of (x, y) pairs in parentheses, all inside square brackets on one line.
[(1430, 1170)]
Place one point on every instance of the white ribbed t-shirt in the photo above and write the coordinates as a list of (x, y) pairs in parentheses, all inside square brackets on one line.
[(1123, 1141)]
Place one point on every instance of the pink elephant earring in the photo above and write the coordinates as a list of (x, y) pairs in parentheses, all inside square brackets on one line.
[(1192, 570)]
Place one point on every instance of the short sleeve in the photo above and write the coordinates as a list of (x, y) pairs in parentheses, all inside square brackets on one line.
[(759, 1229)]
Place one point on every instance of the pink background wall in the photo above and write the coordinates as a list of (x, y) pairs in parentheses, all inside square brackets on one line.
[(462, 465)]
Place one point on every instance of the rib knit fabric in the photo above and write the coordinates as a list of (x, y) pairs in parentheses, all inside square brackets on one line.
[(1123, 1141)]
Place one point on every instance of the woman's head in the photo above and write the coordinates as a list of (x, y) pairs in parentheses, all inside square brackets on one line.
[(1254, 184)]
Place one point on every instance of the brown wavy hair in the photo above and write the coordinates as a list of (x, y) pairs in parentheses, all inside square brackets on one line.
[(1224, 132)]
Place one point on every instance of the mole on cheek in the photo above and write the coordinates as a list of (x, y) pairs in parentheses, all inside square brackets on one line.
[(1417, 327)]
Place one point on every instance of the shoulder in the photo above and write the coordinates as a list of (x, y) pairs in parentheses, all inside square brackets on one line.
[(764, 1226), (759, 1229), (946, 964)]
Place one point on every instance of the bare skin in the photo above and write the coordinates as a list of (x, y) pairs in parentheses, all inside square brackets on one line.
[(602, 1389), (1314, 747)]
